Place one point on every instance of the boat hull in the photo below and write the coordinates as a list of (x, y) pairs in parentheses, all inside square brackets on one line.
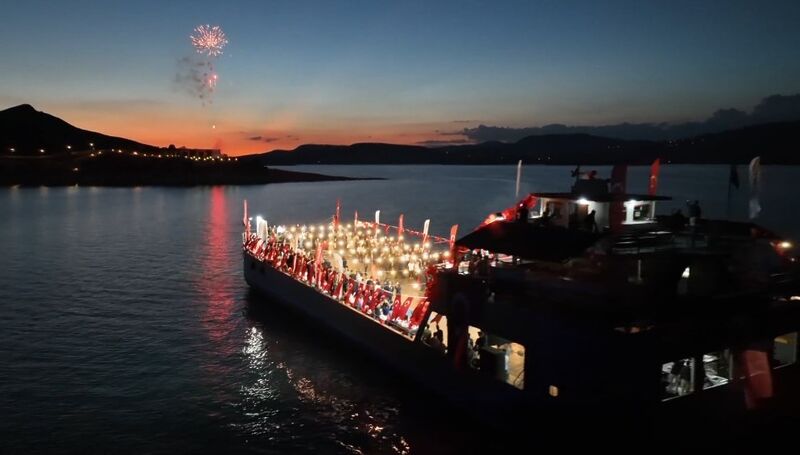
[(474, 392)]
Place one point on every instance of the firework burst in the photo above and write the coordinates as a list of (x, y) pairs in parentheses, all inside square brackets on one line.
[(209, 40)]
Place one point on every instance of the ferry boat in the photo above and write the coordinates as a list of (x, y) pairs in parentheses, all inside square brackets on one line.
[(566, 307)]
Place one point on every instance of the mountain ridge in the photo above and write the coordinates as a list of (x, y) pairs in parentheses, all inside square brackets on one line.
[(31, 132)]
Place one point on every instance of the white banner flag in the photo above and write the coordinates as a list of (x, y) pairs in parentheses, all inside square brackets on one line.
[(755, 186)]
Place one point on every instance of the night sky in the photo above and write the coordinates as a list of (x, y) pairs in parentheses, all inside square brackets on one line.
[(403, 71)]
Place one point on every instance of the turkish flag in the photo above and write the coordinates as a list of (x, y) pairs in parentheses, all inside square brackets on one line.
[(453, 233), (397, 307), (419, 312)]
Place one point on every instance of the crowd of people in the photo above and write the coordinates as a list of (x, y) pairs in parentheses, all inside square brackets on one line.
[(361, 266)]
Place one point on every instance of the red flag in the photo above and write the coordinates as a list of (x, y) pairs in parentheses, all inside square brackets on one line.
[(453, 232), (397, 306), (378, 297), (654, 169), (369, 297), (400, 226), (360, 298), (419, 312), (402, 312), (529, 202), (618, 183), (318, 256), (755, 365)]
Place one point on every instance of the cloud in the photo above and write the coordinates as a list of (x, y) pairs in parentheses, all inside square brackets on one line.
[(775, 108), (444, 143), (263, 139), (449, 133), (464, 121)]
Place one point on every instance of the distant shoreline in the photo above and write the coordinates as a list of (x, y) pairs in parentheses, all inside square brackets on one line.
[(128, 171)]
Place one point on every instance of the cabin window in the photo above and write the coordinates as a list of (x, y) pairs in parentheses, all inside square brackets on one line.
[(641, 212), (785, 351), (677, 378), (555, 213), (717, 368), (498, 357), (435, 334)]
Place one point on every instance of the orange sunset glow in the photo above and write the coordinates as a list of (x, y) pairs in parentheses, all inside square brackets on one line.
[(236, 132)]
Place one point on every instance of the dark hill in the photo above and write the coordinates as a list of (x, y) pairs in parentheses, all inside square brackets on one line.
[(551, 149), (776, 143), (27, 130)]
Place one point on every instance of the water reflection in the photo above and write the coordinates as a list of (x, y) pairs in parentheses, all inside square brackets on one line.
[(214, 284), (216, 288), (298, 371)]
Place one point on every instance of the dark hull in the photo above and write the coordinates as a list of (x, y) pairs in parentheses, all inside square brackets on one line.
[(526, 412), (479, 395)]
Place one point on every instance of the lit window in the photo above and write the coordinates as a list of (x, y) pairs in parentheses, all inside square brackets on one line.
[(677, 378), (785, 352), (717, 369)]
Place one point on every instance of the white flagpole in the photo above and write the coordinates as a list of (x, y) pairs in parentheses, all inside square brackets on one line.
[(519, 174), (246, 220), (755, 186)]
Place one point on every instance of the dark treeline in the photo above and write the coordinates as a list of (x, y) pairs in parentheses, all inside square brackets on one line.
[(127, 170)]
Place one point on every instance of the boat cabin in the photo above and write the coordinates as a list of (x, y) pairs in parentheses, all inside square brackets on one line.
[(590, 205)]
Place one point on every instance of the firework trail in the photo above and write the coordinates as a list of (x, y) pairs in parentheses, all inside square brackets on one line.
[(196, 77), (209, 40)]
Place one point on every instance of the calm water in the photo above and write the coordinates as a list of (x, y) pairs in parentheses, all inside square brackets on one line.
[(125, 323)]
